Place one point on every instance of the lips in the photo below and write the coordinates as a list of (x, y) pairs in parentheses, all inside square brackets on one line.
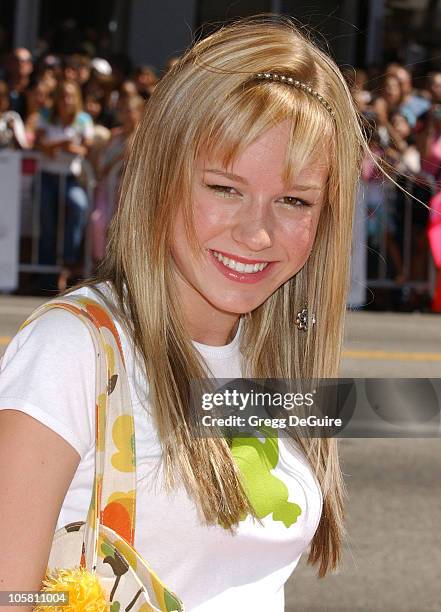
[(240, 277), (240, 259), (239, 266)]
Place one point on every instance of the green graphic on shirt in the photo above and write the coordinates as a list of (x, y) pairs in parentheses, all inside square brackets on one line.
[(267, 493)]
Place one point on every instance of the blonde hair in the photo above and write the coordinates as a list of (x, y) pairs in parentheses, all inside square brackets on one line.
[(210, 101), (57, 97)]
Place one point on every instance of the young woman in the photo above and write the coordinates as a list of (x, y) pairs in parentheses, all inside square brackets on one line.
[(108, 171), (64, 135), (235, 213)]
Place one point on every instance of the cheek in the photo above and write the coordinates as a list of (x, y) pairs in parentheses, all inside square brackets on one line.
[(299, 236), (209, 218)]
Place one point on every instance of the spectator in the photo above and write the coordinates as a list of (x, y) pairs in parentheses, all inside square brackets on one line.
[(84, 70), (109, 170), (389, 100), (19, 71), (95, 107), (362, 96), (37, 101), (101, 85), (71, 68), (412, 102), (128, 89), (402, 152), (430, 144), (64, 135), (145, 80), (435, 87), (50, 71), (12, 130)]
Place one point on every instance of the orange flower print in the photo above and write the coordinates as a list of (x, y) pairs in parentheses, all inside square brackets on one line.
[(119, 512)]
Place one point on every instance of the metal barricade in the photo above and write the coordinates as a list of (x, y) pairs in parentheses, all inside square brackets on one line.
[(31, 210), (395, 229)]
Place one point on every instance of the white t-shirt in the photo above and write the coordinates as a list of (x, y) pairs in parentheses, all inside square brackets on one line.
[(48, 372), (63, 162)]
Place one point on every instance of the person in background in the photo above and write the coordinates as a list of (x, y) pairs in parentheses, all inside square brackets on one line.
[(95, 107), (146, 80), (412, 101), (128, 89), (402, 152), (102, 85), (49, 70), (429, 141), (37, 101), (12, 129), (20, 67), (434, 89), (64, 135), (109, 168), (404, 157), (363, 96), (380, 203), (71, 68), (84, 71), (389, 100)]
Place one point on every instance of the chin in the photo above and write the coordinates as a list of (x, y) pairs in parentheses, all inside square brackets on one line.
[(236, 307)]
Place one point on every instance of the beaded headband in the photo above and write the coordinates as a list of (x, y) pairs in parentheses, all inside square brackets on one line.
[(272, 76)]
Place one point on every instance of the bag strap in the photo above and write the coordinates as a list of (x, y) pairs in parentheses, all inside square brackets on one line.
[(113, 501)]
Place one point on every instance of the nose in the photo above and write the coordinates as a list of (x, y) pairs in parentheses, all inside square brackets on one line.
[(253, 227)]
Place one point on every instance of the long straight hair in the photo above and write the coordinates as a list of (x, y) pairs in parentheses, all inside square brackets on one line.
[(210, 101), (54, 114)]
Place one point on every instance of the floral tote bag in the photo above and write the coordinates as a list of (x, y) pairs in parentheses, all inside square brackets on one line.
[(94, 561)]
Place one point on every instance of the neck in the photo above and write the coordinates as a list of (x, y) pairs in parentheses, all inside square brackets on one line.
[(66, 117), (204, 322), (219, 333)]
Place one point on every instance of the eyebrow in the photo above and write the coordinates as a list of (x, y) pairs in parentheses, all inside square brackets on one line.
[(233, 177), (240, 179)]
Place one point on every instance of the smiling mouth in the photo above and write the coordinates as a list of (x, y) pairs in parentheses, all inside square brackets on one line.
[(238, 266)]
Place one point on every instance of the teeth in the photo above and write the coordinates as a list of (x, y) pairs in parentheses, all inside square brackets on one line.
[(238, 266)]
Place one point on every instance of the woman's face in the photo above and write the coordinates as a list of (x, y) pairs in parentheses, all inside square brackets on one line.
[(392, 90), (39, 96), (93, 107), (246, 215), (68, 98), (401, 126)]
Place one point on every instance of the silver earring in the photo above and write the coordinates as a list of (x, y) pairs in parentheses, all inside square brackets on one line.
[(304, 319)]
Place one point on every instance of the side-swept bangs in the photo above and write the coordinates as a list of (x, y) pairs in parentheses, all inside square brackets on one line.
[(257, 107)]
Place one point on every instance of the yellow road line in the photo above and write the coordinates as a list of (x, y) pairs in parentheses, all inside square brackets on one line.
[(348, 354), (392, 355)]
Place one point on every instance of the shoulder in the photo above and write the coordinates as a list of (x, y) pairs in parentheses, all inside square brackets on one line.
[(13, 115), (43, 118), (48, 372), (82, 119)]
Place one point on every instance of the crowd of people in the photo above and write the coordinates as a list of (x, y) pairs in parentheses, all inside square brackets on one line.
[(404, 126), (80, 113)]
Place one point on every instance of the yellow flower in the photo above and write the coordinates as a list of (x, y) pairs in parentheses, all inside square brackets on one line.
[(83, 588)]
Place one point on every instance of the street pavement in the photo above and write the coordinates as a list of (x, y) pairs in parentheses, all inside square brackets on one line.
[(392, 550)]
